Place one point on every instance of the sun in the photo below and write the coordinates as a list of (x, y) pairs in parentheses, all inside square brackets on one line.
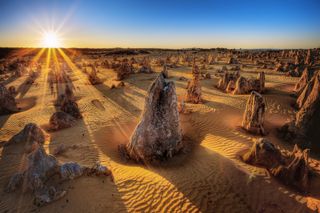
[(51, 40)]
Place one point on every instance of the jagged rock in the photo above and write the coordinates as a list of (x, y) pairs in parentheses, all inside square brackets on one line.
[(60, 120), (231, 86), (245, 86), (304, 129), (165, 71), (93, 78), (263, 153), (292, 169), (158, 135), (30, 134), (253, 116), (296, 171), (306, 92), (71, 107), (7, 101), (226, 78), (124, 70), (40, 168), (194, 88), (303, 81)]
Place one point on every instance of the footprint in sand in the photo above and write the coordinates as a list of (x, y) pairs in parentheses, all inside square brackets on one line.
[(98, 104)]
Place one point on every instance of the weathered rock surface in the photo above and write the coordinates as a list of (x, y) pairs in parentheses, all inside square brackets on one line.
[(194, 87), (41, 168), (158, 135), (290, 168), (60, 120), (226, 78), (71, 107), (253, 116), (304, 129), (7, 101), (29, 135)]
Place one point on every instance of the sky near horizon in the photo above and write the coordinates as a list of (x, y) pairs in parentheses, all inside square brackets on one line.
[(162, 24)]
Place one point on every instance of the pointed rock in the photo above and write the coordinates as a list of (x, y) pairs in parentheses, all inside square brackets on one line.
[(158, 135), (7, 101), (253, 116)]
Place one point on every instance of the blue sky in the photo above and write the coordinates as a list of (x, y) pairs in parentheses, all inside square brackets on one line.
[(166, 24)]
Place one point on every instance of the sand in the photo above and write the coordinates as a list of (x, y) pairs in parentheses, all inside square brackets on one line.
[(209, 178)]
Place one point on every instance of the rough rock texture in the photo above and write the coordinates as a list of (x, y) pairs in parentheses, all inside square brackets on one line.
[(165, 71), (245, 86), (60, 120), (304, 129), (253, 116), (296, 171), (93, 78), (71, 107), (7, 101), (290, 168), (29, 135), (41, 167), (145, 67), (263, 153), (226, 78), (303, 81), (158, 135), (194, 88), (124, 70)]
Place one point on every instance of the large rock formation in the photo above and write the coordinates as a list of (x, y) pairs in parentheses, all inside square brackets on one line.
[(291, 168), (263, 153), (303, 81), (245, 86), (40, 168), (194, 88), (304, 129), (158, 135), (7, 101), (60, 120), (253, 116), (226, 78), (71, 107), (30, 134)]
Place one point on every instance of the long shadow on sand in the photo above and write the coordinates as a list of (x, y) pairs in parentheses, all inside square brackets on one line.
[(207, 179), (117, 96)]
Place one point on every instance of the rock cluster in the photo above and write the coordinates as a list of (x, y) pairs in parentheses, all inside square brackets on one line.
[(41, 167), (304, 129), (145, 66), (291, 168)]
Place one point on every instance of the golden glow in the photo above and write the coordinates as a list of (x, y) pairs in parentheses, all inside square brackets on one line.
[(51, 40)]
